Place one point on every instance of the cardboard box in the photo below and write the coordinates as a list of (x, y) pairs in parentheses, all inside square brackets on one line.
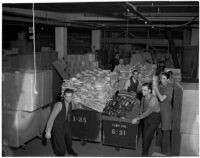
[(22, 92), (189, 122), (19, 126), (119, 132), (176, 73), (86, 125), (43, 60), (189, 145), (190, 108)]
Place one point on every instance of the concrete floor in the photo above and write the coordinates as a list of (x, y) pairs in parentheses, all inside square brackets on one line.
[(35, 148)]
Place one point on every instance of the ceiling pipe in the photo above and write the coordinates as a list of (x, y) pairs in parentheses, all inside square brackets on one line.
[(134, 10)]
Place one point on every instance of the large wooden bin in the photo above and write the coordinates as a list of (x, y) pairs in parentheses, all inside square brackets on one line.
[(119, 132), (86, 125)]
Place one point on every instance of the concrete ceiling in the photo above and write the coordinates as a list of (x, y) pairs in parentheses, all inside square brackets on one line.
[(108, 15)]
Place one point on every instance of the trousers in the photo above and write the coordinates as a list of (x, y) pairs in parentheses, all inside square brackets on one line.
[(151, 124), (61, 139)]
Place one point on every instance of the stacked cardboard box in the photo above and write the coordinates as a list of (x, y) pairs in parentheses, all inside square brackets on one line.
[(43, 60), (190, 120), (22, 92), (24, 46), (136, 59), (24, 115), (78, 63), (176, 74), (21, 126)]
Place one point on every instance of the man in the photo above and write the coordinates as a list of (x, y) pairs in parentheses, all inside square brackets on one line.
[(58, 126), (151, 116), (115, 61), (131, 85), (119, 66)]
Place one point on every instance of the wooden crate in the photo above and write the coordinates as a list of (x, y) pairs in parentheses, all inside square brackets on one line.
[(86, 125), (119, 132)]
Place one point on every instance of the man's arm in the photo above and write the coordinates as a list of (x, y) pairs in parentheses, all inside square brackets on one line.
[(54, 113), (127, 84), (145, 114), (148, 111)]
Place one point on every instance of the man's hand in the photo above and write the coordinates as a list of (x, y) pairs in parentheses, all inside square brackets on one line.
[(135, 120), (48, 135), (155, 89)]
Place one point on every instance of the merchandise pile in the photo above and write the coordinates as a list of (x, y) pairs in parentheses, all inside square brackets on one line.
[(123, 105), (93, 88), (78, 63), (125, 72), (146, 71)]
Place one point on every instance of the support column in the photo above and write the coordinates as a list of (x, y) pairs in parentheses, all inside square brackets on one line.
[(147, 44), (96, 40), (61, 41), (195, 37), (186, 37)]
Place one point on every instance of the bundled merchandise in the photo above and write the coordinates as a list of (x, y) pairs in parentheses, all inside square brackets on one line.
[(93, 88), (146, 71), (124, 105)]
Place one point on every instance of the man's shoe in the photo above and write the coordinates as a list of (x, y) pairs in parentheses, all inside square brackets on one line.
[(73, 153)]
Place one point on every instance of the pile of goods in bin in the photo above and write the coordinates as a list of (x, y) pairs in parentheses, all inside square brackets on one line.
[(93, 88), (123, 105)]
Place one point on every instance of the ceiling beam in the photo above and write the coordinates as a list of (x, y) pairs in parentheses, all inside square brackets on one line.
[(66, 17), (152, 42), (39, 21), (57, 16)]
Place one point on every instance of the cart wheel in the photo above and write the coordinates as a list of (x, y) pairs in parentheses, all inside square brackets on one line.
[(117, 148), (83, 142)]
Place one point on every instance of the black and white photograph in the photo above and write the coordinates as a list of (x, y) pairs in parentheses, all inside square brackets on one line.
[(100, 78)]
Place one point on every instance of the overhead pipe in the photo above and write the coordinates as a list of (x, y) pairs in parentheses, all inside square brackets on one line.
[(134, 9)]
